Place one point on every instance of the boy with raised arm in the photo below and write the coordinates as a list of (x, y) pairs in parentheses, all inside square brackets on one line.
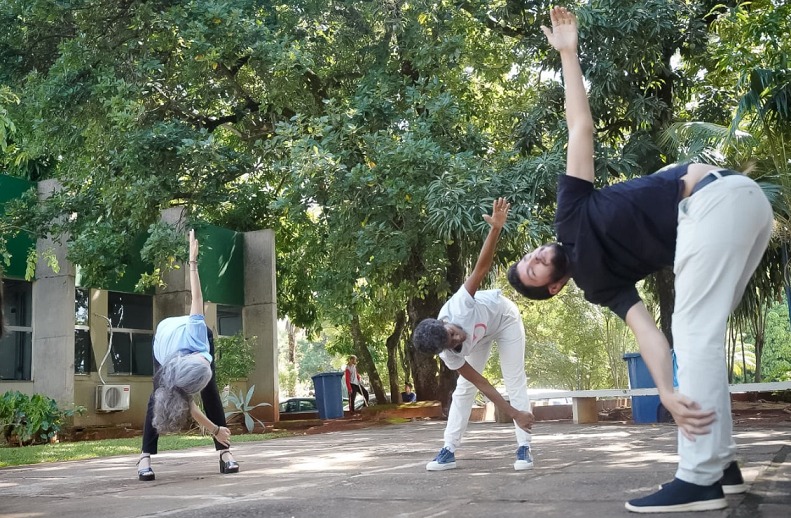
[(468, 324)]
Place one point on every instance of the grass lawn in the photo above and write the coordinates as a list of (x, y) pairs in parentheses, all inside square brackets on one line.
[(16, 456)]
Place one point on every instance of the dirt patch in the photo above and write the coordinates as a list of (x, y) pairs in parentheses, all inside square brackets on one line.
[(762, 413), (98, 433)]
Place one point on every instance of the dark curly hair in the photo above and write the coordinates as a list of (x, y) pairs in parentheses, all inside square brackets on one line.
[(430, 336)]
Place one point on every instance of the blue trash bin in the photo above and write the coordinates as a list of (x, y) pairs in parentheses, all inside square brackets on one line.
[(645, 409), (329, 398)]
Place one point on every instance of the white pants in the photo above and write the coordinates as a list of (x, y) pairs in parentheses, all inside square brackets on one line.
[(723, 231), (511, 344)]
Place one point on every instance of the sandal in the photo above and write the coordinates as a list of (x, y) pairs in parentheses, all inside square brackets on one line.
[(230, 466), (145, 474)]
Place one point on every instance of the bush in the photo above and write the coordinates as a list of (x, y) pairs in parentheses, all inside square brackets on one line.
[(26, 420), (233, 358)]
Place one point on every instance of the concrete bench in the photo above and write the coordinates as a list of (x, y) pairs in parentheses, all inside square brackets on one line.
[(583, 402)]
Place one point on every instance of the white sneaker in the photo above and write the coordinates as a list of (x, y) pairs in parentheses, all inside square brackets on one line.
[(523, 458), (444, 460)]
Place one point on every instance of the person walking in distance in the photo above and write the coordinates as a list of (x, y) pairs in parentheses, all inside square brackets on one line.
[(354, 383)]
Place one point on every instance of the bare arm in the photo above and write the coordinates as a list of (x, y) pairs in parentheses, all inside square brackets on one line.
[(196, 308), (500, 209), (655, 350), (563, 37), (523, 419), (223, 434)]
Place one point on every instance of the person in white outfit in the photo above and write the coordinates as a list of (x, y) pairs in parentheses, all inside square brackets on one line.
[(712, 225), (354, 383), (463, 334)]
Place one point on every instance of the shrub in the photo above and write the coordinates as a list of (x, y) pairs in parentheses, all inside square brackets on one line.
[(233, 358), (35, 419)]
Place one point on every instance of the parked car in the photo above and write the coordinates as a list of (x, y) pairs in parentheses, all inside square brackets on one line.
[(294, 405), (358, 403)]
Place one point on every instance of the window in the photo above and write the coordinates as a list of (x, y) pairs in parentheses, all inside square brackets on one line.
[(16, 347), (84, 359), (132, 318), (229, 320)]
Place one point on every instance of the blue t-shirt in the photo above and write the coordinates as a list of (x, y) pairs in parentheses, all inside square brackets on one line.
[(408, 398), (181, 335), (620, 234)]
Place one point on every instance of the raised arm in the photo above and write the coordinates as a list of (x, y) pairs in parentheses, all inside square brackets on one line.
[(563, 37), (196, 308), (500, 209)]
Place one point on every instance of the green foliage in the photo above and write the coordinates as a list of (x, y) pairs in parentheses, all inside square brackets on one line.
[(243, 407), (371, 136), (50, 259), (234, 358), (776, 359), (26, 420), (7, 127), (571, 344)]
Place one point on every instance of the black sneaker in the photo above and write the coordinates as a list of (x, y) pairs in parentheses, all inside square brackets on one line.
[(679, 496), (732, 481)]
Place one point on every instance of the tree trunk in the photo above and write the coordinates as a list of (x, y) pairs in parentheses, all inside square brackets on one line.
[(424, 368), (667, 297), (392, 356), (291, 329), (366, 361)]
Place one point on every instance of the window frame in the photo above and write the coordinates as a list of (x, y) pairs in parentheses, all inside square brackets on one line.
[(27, 330), (131, 332)]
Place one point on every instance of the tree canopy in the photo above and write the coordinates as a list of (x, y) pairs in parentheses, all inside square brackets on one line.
[(371, 136)]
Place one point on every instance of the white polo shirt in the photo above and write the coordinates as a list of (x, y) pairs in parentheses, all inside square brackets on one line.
[(480, 317)]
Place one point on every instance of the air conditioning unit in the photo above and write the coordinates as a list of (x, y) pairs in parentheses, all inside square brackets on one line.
[(111, 398)]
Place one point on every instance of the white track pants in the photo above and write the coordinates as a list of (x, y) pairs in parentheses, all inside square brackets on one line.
[(511, 345), (723, 231)]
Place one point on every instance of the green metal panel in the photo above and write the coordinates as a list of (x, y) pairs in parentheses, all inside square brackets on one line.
[(19, 246), (221, 264)]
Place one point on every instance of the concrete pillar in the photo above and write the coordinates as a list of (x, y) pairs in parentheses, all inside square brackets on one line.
[(584, 410), (53, 317), (174, 299), (260, 317)]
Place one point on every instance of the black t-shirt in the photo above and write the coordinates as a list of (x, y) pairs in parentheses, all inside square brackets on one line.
[(618, 235)]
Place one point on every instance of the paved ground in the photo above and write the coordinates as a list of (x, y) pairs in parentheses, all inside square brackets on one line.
[(581, 471)]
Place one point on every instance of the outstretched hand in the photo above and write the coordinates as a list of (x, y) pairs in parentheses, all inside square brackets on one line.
[(525, 420), (563, 34), (223, 436), (193, 246), (500, 209), (687, 414)]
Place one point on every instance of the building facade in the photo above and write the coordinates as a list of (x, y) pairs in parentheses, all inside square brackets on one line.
[(59, 341)]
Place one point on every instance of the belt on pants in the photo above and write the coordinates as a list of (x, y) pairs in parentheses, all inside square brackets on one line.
[(710, 177)]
